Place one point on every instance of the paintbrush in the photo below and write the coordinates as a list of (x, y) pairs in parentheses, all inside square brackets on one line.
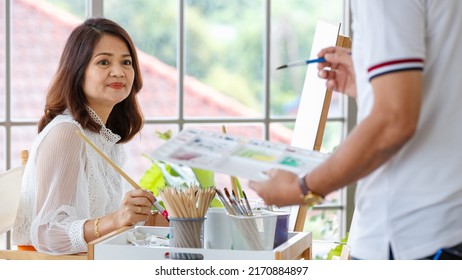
[(228, 207), (302, 62), (247, 204), (233, 179), (234, 203), (240, 202), (156, 204)]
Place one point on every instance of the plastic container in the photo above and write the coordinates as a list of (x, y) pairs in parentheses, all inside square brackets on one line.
[(186, 233), (217, 229), (258, 232), (281, 234)]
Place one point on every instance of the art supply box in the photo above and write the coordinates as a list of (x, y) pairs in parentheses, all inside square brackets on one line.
[(116, 246)]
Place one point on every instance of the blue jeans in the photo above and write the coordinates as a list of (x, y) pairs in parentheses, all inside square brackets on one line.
[(452, 253)]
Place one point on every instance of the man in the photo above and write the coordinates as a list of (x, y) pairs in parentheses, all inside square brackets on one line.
[(404, 151)]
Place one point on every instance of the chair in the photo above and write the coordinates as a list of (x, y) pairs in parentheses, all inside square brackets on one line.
[(10, 190)]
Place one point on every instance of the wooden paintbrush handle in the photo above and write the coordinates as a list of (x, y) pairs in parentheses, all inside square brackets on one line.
[(117, 168)]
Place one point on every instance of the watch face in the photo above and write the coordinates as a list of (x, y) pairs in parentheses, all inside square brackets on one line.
[(311, 199)]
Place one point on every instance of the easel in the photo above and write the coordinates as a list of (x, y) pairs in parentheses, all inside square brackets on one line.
[(342, 41)]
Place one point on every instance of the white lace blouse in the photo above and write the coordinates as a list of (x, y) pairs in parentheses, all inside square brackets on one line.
[(65, 183)]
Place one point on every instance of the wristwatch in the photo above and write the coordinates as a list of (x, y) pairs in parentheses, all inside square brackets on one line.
[(308, 197)]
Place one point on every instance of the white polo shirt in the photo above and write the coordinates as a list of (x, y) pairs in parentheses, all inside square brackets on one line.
[(413, 203)]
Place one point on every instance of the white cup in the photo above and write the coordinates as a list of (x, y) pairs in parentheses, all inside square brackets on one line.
[(217, 229)]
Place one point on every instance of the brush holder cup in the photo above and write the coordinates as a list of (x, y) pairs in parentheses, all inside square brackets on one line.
[(186, 233), (257, 232)]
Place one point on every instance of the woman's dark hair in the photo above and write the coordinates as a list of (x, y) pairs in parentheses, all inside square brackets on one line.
[(66, 90)]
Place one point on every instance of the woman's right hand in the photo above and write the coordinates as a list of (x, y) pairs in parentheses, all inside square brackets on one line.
[(338, 70), (135, 207)]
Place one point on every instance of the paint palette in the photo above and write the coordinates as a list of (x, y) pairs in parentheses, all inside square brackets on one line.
[(235, 156)]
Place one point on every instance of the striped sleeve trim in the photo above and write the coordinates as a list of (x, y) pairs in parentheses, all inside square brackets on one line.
[(395, 66)]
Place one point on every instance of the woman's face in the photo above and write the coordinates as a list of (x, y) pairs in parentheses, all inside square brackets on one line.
[(109, 75)]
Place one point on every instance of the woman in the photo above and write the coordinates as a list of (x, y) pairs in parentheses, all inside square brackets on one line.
[(70, 195)]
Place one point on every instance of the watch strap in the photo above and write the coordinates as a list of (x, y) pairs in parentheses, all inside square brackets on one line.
[(308, 197)]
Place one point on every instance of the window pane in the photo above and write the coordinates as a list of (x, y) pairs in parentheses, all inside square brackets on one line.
[(281, 132), (224, 58), (324, 224), (246, 130), (22, 137), (333, 135), (325, 227), (293, 23), (37, 43), (153, 25), (75, 7)]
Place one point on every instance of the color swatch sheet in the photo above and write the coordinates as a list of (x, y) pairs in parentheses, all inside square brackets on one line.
[(236, 156)]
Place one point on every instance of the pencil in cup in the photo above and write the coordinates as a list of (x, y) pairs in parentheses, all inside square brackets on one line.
[(187, 208), (187, 232)]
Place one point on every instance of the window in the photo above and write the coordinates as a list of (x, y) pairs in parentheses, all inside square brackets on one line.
[(205, 63)]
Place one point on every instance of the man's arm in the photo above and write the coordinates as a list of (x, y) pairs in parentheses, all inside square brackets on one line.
[(391, 123)]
